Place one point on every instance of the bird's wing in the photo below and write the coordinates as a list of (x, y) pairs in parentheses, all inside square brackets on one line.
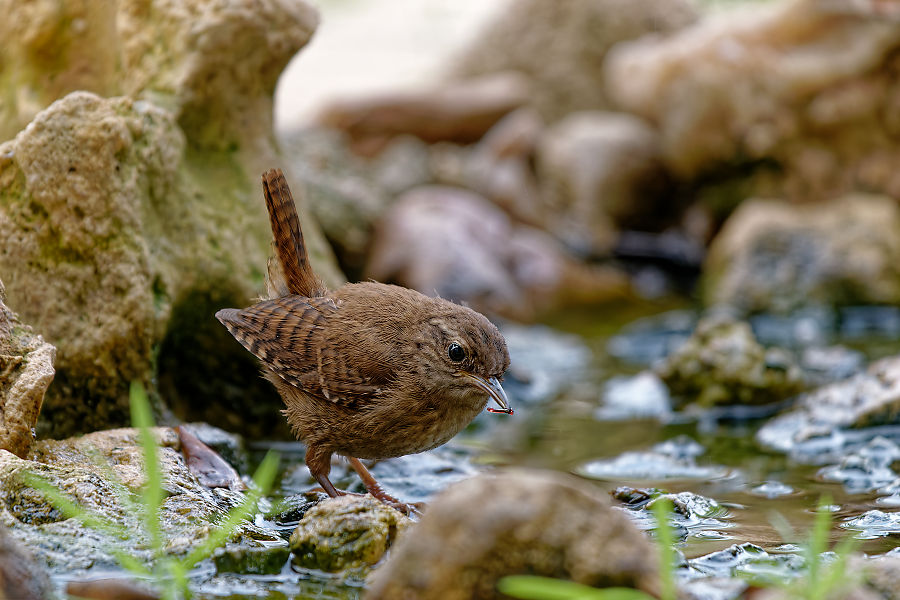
[(279, 332)]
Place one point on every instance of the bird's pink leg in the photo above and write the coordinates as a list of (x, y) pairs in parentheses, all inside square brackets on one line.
[(373, 488)]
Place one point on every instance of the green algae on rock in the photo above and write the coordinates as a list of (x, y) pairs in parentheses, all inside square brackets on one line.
[(346, 534), (104, 231), (723, 364)]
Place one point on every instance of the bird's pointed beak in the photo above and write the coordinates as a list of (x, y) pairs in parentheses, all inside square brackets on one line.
[(494, 389)]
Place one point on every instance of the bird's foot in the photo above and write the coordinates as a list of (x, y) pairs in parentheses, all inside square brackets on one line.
[(410, 509), (373, 488), (407, 508)]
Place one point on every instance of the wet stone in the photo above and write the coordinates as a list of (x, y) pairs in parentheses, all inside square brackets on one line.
[(290, 510), (665, 461), (723, 364), (772, 489), (268, 559), (746, 559), (866, 469), (874, 524), (692, 514), (349, 533), (824, 422), (639, 396)]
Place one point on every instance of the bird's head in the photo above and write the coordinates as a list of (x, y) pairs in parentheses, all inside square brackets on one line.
[(468, 355)]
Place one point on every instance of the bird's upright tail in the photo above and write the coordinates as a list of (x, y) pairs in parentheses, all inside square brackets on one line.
[(290, 271)]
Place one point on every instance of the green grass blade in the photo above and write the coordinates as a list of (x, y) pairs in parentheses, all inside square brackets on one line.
[(152, 494), (817, 544), (662, 508), (71, 510), (263, 479), (836, 573), (131, 563), (532, 587)]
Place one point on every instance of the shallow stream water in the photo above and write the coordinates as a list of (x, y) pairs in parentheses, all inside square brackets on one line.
[(580, 409)]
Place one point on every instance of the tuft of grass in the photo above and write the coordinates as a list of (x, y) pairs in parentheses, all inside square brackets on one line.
[(169, 574), (824, 576)]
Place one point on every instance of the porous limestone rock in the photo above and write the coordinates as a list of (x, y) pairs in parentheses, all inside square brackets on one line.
[(26, 369), (349, 533), (560, 45), (774, 90), (722, 363), (510, 523), (865, 400), (128, 221), (775, 256), (213, 63)]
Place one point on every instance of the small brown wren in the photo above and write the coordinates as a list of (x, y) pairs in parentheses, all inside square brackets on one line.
[(368, 370)]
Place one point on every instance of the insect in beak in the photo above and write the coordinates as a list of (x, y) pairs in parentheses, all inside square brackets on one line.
[(495, 390)]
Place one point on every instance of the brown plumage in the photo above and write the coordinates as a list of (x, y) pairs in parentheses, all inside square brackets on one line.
[(368, 370)]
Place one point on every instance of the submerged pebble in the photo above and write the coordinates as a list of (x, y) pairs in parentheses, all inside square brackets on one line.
[(748, 560), (672, 459), (866, 469), (823, 419), (772, 489), (267, 559)]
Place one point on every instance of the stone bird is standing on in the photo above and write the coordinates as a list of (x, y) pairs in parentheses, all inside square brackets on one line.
[(368, 370)]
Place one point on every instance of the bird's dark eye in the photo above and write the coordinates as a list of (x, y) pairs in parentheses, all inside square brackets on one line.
[(456, 352)]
